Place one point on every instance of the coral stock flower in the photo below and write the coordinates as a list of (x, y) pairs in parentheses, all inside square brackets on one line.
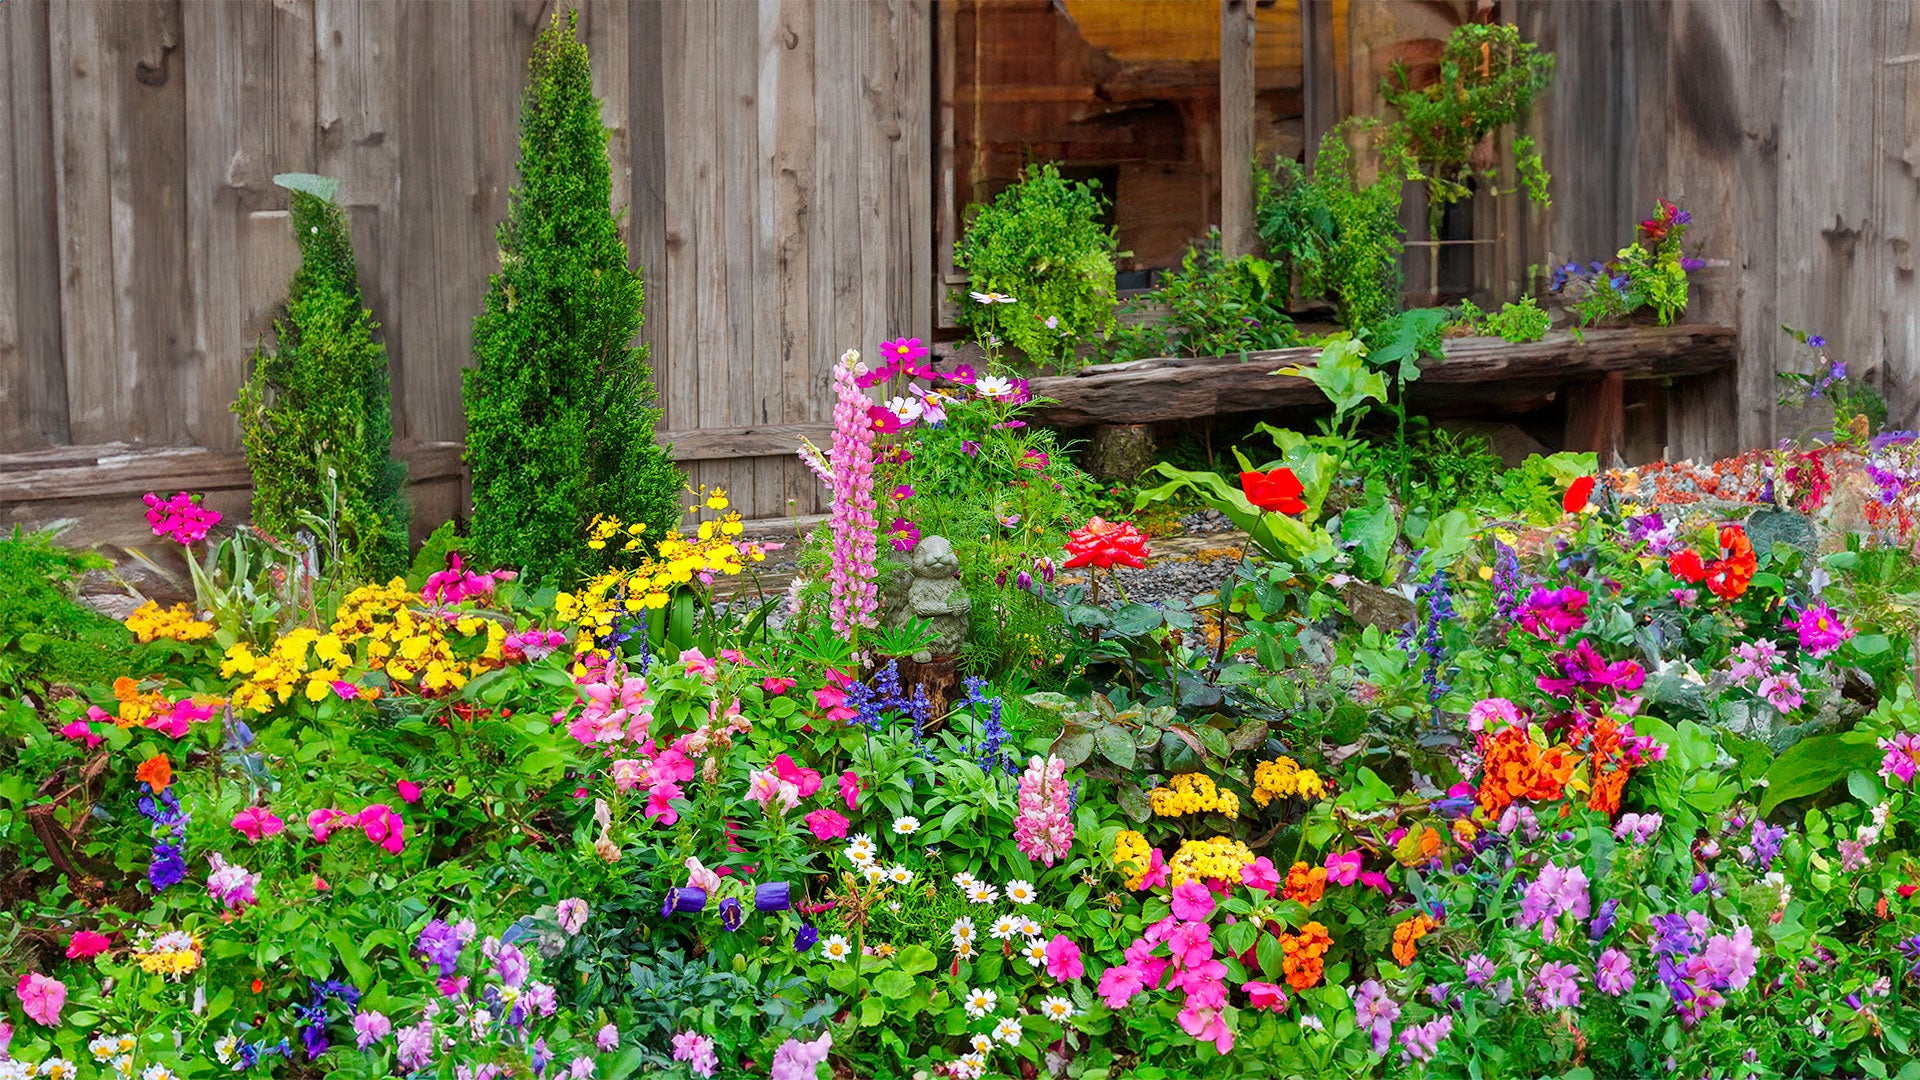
[(1579, 494), (156, 772), (1103, 545), (1276, 491)]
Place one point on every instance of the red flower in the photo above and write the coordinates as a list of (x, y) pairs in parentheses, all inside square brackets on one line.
[(85, 944), (1728, 576), (1276, 490), (1106, 544), (1579, 493)]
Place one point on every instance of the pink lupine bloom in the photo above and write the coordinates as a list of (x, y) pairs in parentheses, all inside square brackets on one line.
[(1044, 828), (855, 595)]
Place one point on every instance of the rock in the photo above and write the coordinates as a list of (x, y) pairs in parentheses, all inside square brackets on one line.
[(1507, 442)]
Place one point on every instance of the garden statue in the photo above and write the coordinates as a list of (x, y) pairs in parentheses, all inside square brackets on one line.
[(935, 596)]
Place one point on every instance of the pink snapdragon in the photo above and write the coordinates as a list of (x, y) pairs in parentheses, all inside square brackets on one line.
[(180, 519), (855, 596), (1044, 828)]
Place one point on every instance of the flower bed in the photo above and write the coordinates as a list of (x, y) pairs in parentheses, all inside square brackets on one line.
[(1621, 785)]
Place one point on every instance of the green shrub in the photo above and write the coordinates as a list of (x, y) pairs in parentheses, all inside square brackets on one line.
[(559, 404), (47, 638), (1215, 306), (1042, 243), (1341, 236), (1517, 320), (319, 402)]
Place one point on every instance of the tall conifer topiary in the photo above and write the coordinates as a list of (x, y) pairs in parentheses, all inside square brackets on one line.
[(559, 404), (319, 401)]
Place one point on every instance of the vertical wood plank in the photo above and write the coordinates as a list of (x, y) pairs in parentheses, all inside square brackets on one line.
[(99, 395), (792, 184), (1236, 128), (647, 205), (33, 372), (1897, 211)]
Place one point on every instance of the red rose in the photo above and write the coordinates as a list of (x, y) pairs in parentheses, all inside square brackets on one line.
[(1106, 544)]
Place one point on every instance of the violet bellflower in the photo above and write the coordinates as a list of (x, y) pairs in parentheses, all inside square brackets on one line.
[(773, 896)]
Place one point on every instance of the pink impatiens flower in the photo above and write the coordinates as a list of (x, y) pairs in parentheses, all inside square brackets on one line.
[(1266, 995), (325, 820), (1063, 958), (776, 685), (827, 824), (1343, 868), (850, 788), (41, 998), (257, 822), (80, 729), (1192, 902), (1261, 874), (86, 944), (409, 791), (180, 519)]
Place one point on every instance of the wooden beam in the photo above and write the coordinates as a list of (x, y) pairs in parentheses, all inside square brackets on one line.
[(1597, 416), (119, 469), (727, 444), (1177, 388), (1237, 235)]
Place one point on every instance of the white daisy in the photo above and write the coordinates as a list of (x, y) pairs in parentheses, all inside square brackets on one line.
[(1008, 1031), (964, 950), (1004, 928), (836, 948), (980, 1001), (906, 826), (1021, 892), (57, 1069), (1056, 1008), (982, 1044), (962, 929), (991, 298), (875, 873), (1034, 952), (983, 893), (104, 1047), (884, 950), (860, 850), (993, 386), (964, 880), (1029, 927), (900, 875)]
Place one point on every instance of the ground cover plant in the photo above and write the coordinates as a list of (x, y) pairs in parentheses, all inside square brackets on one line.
[(1546, 772)]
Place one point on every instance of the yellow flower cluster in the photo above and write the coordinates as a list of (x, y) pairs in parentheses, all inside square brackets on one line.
[(150, 622), (1132, 856), (1192, 793), (623, 592), (1221, 857), (1284, 778), (172, 954), (377, 626), (606, 528)]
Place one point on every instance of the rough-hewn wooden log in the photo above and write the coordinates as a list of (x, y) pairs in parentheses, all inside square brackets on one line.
[(110, 469), (1174, 388)]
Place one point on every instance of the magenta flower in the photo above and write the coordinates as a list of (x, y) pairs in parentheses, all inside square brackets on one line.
[(607, 1038), (1044, 828), (827, 824), (1120, 984), (409, 791), (777, 684), (1343, 867), (1902, 757), (1782, 691), (383, 827), (904, 535), (180, 519), (1558, 986), (41, 998), (1261, 874), (257, 822), (80, 729), (1063, 958), (1585, 669), (231, 885), (1192, 902), (854, 594), (1613, 973), (697, 1051), (850, 788), (1552, 614), (1821, 629), (85, 945), (1266, 995), (325, 820)]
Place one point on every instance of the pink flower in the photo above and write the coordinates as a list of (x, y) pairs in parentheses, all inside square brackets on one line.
[(80, 729), (257, 822), (698, 663), (324, 821), (1207, 1025), (807, 781), (1191, 943), (383, 827), (1063, 958), (699, 877), (1192, 902), (1157, 874), (854, 593), (345, 691), (1900, 757), (180, 519), (697, 1051), (1490, 714), (174, 721), (1260, 874), (776, 684), (1343, 868), (827, 825), (1821, 629), (850, 788), (765, 787), (409, 791), (1044, 828), (86, 944), (1266, 995), (1120, 984), (41, 998)]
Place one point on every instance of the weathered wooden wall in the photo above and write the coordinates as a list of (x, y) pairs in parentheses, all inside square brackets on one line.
[(771, 158), (1791, 130)]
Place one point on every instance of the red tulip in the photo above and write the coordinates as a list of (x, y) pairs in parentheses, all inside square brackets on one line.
[(1579, 493), (1276, 490)]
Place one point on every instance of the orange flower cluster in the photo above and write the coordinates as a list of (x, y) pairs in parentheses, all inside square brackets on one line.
[(156, 772), (1305, 955), (1519, 768), (1606, 766), (1407, 935), (1305, 884), (1728, 576)]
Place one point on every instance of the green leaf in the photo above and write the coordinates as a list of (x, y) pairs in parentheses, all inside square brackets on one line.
[(1812, 765), (915, 960), (1116, 744), (1342, 374), (894, 984)]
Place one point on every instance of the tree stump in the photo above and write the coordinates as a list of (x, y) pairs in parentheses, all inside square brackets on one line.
[(1119, 451), (940, 675)]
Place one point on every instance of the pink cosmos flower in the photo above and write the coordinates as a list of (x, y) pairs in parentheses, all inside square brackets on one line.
[(41, 998), (777, 684), (86, 944), (1261, 874), (1063, 958), (257, 822), (80, 729), (850, 788), (1266, 995), (409, 791), (1343, 867), (826, 824), (1192, 902)]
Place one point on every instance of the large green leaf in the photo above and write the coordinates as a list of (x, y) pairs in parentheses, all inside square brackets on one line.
[(1812, 765), (1342, 374), (1276, 534)]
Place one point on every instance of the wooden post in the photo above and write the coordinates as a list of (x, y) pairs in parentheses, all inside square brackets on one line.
[(1320, 79), (1596, 416), (1237, 235)]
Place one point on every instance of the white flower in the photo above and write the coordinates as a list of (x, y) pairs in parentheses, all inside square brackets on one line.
[(1020, 892), (982, 893), (1008, 1031), (907, 410), (875, 873), (157, 1072), (15, 1070), (968, 1067), (1053, 322), (993, 386), (991, 298), (965, 880), (836, 948), (980, 1001), (900, 875), (962, 929), (55, 1068), (1056, 1008), (963, 950), (1034, 952), (860, 850), (106, 1046), (1004, 928), (906, 826), (1029, 927), (982, 1044)]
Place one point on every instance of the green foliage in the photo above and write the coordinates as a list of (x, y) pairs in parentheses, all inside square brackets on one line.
[(559, 406), (1041, 242), (1214, 306), (1489, 78), (1648, 273), (1517, 320), (315, 412), (47, 638), (432, 556), (1340, 235)]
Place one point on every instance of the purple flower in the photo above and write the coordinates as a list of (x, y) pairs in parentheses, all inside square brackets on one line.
[(773, 896), (1613, 973), (1820, 628), (797, 1060), (1558, 986), (1766, 843), (571, 914), (1640, 827), (1585, 669), (1422, 1041), (440, 944), (1479, 970), (1816, 341), (685, 899), (169, 866), (1555, 892), (1688, 264), (731, 915), (1901, 757), (806, 938), (415, 1045), (607, 1038), (511, 965), (1782, 691), (1554, 613), (1374, 1011), (1602, 923), (370, 1028)]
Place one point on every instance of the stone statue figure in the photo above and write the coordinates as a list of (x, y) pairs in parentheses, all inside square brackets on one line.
[(934, 595)]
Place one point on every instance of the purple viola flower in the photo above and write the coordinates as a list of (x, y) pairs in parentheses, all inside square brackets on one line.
[(169, 866), (440, 944), (1816, 341), (731, 915), (685, 899), (773, 896)]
